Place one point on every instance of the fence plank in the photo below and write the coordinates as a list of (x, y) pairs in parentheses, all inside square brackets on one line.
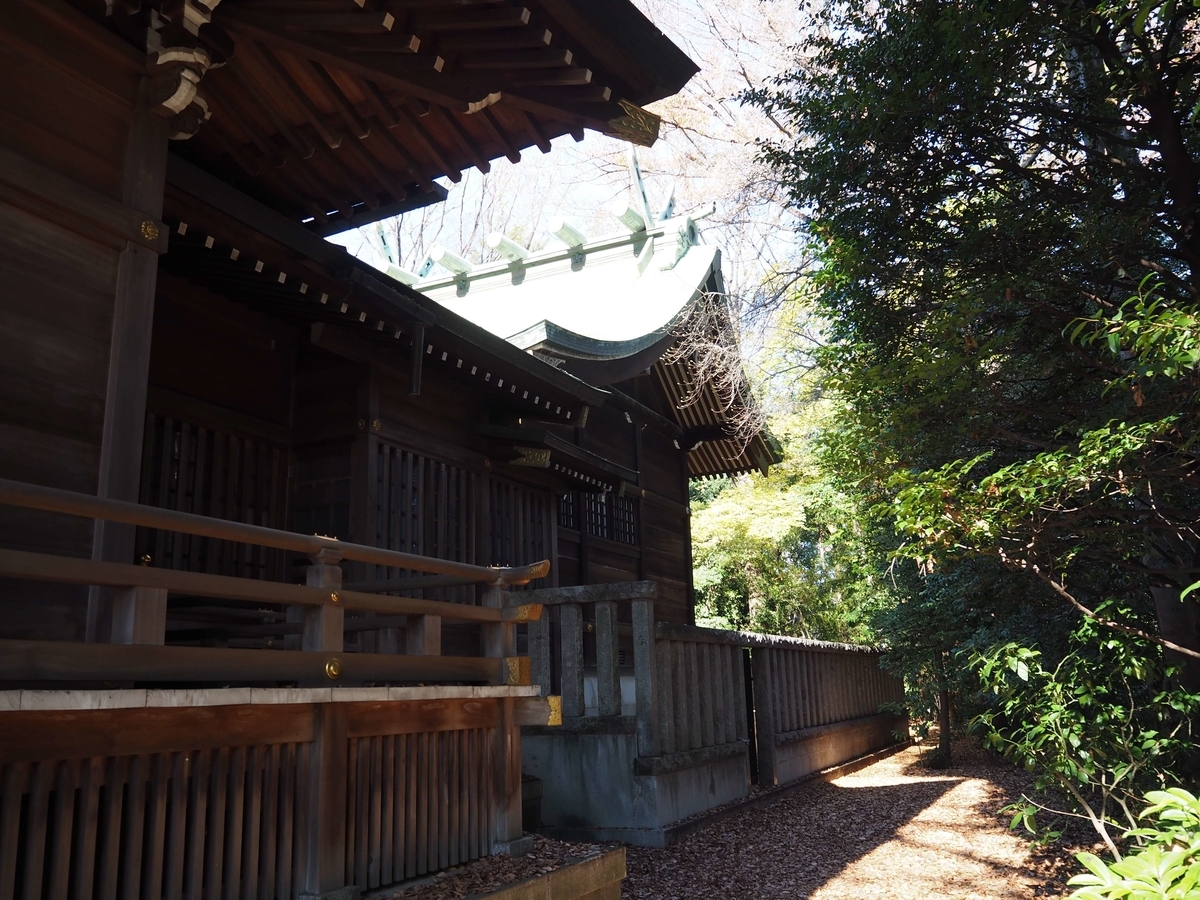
[(269, 827), (110, 830), (11, 792), (764, 712)]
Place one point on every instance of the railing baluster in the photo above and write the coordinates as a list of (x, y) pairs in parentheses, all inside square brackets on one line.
[(608, 673), (571, 626), (645, 671)]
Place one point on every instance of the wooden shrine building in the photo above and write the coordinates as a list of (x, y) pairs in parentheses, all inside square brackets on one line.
[(263, 534)]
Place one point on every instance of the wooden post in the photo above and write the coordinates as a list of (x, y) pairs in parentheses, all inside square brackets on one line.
[(322, 838), (608, 670), (423, 635), (506, 774), (323, 625), (571, 625), (499, 638), (539, 653), (761, 661), (120, 466), (645, 674), (139, 615)]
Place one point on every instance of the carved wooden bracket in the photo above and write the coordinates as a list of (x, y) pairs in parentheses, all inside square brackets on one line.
[(181, 44)]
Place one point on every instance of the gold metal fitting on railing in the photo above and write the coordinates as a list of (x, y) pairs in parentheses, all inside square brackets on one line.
[(519, 671), (333, 668), (333, 597), (555, 702)]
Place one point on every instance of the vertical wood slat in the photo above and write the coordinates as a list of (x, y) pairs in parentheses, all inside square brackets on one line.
[(12, 789), (214, 859), (84, 862), (287, 828), (111, 813), (35, 831), (445, 773), (134, 829), (176, 827), (197, 818), (473, 794), (431, 789), (422, 804), (156, 824), (235, 823), (450, 792), (387, 810), (268, 829), (412, 751), (64, 819), (375, 812)]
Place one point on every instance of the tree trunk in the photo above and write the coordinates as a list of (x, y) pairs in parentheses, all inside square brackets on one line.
[(1179, 622), (941, 758)]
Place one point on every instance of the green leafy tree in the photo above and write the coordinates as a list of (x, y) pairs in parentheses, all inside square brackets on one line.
[(786, 553), (979, 180)]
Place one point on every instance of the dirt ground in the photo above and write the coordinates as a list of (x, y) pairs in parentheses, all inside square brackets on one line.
[(896, 830)]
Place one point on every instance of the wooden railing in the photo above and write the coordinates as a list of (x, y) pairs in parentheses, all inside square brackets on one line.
[(139, 607), (692, 700)]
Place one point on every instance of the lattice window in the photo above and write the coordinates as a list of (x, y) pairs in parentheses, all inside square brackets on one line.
[(423, 506), (323, 491), (611, 517), (567, 517), (520, 519), (193, 468)]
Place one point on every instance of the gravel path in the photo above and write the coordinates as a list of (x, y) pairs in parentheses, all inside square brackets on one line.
[(895, 830)]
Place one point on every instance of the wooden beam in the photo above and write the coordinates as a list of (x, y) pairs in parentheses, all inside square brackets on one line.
[(347, 23), (374, 718), (465, 141), (15, 493), (511, 60), (358, 125), (417, 73), (32, 735), (68, 570), (332, 136), (494, 128), (589, 593), (506, 17), (66, 661), (417, 130)]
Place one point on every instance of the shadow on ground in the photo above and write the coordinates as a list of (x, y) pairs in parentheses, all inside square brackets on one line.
[(853, 839)]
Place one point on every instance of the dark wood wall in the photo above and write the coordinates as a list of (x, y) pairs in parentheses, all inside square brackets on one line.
[(65, 111)]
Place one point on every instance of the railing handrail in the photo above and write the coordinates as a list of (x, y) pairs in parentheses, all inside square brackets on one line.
[(617, 591), (676, 631), (71, 570), (30, 496)]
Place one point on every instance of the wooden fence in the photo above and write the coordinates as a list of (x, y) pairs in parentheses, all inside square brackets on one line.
[(271, 793), (702, 694)]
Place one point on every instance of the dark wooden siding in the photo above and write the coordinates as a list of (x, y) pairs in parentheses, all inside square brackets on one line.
[(57, 285)]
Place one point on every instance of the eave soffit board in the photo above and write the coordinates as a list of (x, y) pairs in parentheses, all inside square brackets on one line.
[(339, 117)]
